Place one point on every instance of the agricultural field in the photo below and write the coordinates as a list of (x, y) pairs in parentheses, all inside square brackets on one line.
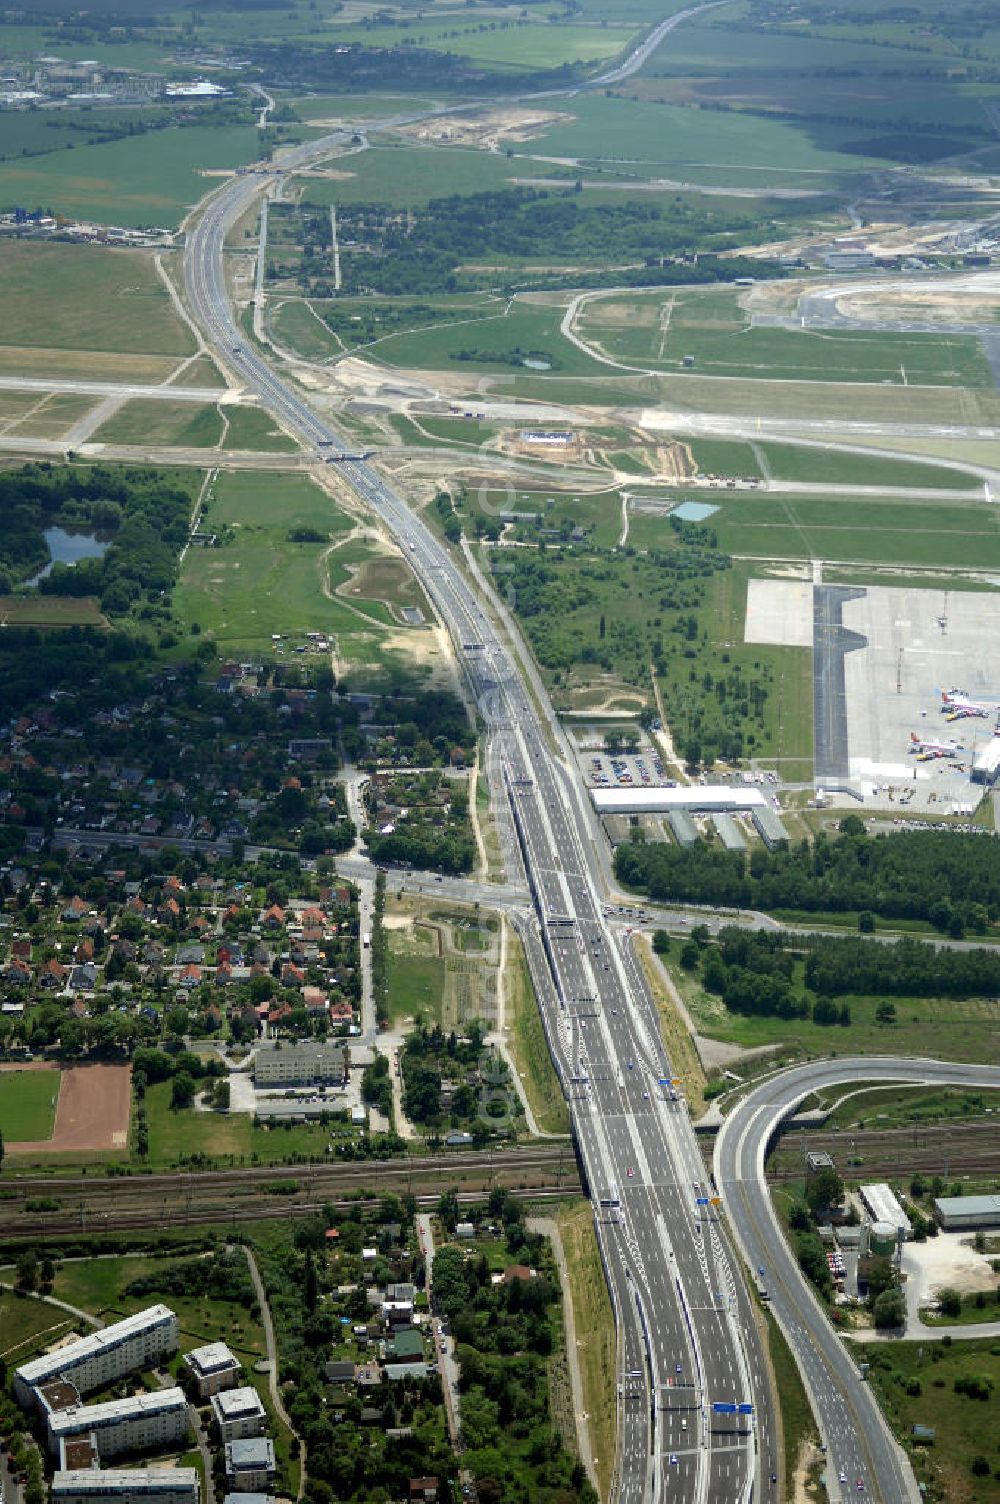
[(712, 147), (28, 1104), (51, 611), (528, 42), (711, 329), (136, 181), (94, 299), (407, 176)]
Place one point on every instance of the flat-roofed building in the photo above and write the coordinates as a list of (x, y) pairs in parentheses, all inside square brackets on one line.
[(239, 1413), (152, 1485), (101, 1357), (250, 1464), (682, 827), (882, 1205), (769, 827), (303, 1064), (213, 1367), (958, 1212), (141, 1421)]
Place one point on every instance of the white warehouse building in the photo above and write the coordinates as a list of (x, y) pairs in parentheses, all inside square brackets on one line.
[(101, 1357), (159, 1485), (711, 798), (141, 1421)]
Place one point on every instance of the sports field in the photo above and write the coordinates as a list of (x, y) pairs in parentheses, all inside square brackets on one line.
[(27, 1103), (91, 1116)]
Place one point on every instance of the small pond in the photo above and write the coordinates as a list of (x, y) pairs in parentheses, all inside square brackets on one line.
[(68, 548)]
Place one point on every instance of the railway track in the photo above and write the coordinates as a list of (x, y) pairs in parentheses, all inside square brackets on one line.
[(950, 1149), (48, 1205), (138, 1218)]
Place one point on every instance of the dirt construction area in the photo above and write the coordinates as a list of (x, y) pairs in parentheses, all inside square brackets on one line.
[(92, 1113)]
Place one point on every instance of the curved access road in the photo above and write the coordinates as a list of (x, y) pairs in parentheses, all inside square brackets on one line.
[(860, 1446)]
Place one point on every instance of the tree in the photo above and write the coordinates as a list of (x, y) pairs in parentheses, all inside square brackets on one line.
[(661, 942), (1, 1147), (950, 1302), (889, 1309), (181, 1091), (27, 1270), (824, 1190)]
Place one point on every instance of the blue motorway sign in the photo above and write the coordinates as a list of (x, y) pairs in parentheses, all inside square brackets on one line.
[(724, 1407), (701, 1201), (744, 1409)]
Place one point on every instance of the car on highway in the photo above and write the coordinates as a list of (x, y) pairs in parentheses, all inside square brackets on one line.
[(630, 1172), (673, 1460), (678, 1368)]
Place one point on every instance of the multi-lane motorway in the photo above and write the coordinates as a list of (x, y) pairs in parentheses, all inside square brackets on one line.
[(862, 1455), (687, 1337)]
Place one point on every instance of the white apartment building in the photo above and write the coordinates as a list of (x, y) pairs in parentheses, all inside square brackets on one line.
[(101, 1357), (303, 1064), (154, 1485), (143, 1421), (239, 1413), (250, 1466), (213, 1367)]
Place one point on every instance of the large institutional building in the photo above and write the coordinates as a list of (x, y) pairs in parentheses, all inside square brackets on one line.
[(100, 1358), (305, 1064)]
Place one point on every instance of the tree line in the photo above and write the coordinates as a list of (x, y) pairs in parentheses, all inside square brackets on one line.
[(948, 878)]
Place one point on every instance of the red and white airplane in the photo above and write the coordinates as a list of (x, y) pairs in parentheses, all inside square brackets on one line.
[(958, 707), (925, 748)]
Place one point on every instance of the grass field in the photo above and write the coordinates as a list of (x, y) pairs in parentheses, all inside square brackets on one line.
[(658, 331), (93, 298), (409, 175), (416, 980), (52, 416), (28, 1104), (838, 527), (295, 325), (27, 1326), (662, 136), (528, 1045), (174, 1136), (488, 344), (966, 1029), (962, 1427), (829, 467), (595, 1333), (528, 42), (257, 512), (99, 1285), (51, 611), (139, 180), (183, 425), (251, 428)]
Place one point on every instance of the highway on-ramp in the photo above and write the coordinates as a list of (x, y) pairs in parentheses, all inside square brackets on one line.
[(688, 1340), (860, 1446)]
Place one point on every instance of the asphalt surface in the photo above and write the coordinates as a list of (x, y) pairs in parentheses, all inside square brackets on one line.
[(687, 1336), (831, 641), (860, 1446)]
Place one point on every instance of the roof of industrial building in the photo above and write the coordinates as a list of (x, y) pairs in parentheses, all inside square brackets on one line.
[(729, 832), (768, 824), (884, 1206), (650, 801), (968, 1206)]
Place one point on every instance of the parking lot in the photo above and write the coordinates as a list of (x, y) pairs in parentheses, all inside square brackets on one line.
[(626, 770)]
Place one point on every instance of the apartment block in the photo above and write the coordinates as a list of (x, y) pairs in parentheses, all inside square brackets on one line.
[(143, 1421), (101, 1357)]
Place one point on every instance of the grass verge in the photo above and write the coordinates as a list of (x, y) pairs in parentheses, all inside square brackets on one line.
[(595, 1329), (529, 1047)]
